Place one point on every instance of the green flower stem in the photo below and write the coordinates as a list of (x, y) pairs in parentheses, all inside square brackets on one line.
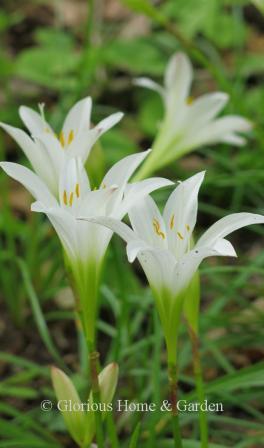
[(153, 160), (198, 375), (94, 360), (173, 385), (163, 152)]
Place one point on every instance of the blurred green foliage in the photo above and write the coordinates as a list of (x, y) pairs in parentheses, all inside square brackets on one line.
[(55, 52)]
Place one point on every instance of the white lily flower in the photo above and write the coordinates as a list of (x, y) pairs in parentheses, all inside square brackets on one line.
[(188, 123), (48, 151), (85, 243), (163, 245)]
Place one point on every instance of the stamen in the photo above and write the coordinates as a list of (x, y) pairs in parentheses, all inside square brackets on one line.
[(190, 100), (103, 185), (77, 190), (65, 199), (188, 227), (180, 235), (71, 199), (61, 139), (71, 136), (156, 226), (172, 222)]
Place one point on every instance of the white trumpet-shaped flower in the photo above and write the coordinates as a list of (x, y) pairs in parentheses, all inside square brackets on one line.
[(85, 243), (163, 245), (188, 123), (46, 150)]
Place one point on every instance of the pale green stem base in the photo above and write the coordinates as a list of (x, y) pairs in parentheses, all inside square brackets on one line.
[(93, 360), (197, 369), (173, 384)]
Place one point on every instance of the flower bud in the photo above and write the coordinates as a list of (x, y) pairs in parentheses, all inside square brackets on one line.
[(108, 382), (69, 404)]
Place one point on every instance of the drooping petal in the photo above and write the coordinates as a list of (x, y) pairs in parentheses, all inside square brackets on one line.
[(178, 79), (148, 224), (78, 117), (227, 225), (31, 182), (37, 155), (189, 263), (149, 84), (137, 190), (34, 121), (221, 130), (225, 248), (180, 213)]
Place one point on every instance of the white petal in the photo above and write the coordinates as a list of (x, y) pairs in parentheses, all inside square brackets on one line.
[(109, 122), (49, 144), (148, 223), (227, 225), (33, 121), (93, 240), (234, 139), (78, 118), (65, 226), (138, 190), (120, 173), (95, 202), (73, 185), (158, 266), (225, 248), (121, 229), (149, 84), (204, 109), (180, 213), (189, 263), (82, 144), (218, 131), (35, 153), (178, 79), (30, 181)]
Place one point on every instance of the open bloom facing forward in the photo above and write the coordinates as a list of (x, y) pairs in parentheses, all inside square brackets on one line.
[(47, 150), (85, 243), (162, 244), (188, 123)]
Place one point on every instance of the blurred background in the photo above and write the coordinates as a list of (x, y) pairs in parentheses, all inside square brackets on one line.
[(57, 52)]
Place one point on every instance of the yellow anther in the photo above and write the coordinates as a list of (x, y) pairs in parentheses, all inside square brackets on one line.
[(188, 227), (77, 190), (61, 139), (71, 199), (70, 136), (103, 185), (180, 235), (172, 222), (157, 229), (65, 200), (190, 100)]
